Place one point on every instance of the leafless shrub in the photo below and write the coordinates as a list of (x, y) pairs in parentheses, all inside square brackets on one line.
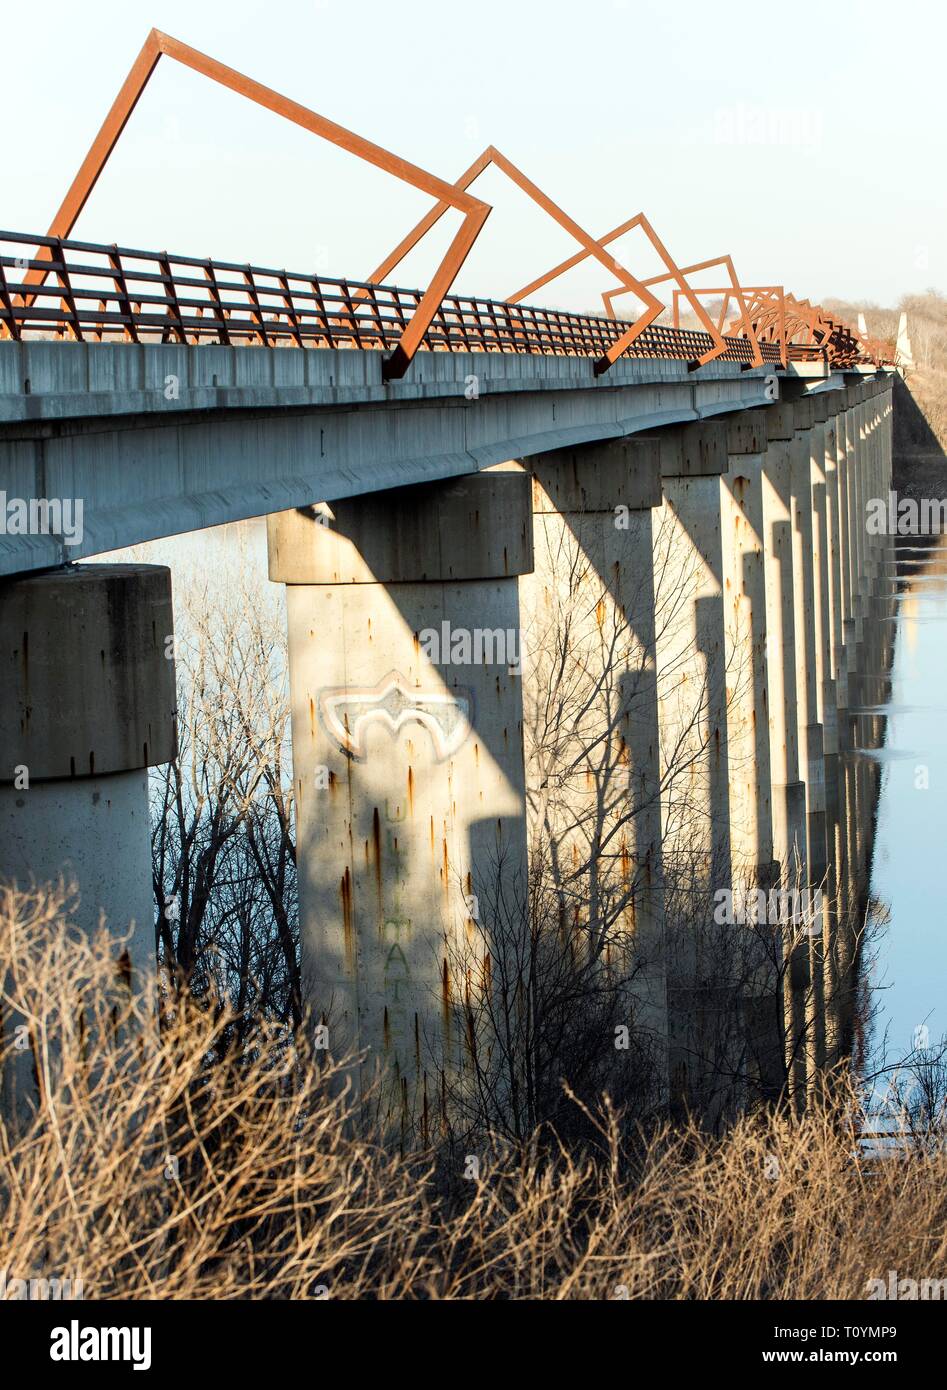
[(224, 858)]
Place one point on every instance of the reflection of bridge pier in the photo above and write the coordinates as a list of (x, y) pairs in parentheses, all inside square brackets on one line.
[(865, 419)]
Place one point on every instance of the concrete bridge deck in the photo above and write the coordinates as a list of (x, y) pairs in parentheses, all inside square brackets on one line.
[(159, 439)]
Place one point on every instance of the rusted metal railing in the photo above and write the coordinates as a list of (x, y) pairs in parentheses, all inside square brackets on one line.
[(98, 293)]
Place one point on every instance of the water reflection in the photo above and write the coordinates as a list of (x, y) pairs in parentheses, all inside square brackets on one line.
[(909, 952)]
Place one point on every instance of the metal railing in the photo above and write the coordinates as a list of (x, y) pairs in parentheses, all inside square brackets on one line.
[(97, 293)]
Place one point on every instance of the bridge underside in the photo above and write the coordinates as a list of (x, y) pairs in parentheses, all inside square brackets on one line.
[(162, 439)]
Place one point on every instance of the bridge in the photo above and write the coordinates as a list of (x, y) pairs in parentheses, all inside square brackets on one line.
[(455, 489)]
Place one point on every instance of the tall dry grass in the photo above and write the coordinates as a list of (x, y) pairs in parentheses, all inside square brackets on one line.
[(158, 1165)]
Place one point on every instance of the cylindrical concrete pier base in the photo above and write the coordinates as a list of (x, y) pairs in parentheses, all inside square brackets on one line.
[(406, 693), (89, 705)]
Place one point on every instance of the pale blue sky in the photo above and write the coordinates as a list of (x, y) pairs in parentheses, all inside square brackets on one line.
[(808, 141)]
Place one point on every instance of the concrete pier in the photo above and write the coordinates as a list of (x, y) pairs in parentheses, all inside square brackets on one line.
[(788, 788), (690, 643), (406, 693), (744, 581), (804, 448), (809, 551), (790, 847), (836, 727), (591, 711), (821, 592), (706, 957), (856, 528), (89, 705), (700, 618)]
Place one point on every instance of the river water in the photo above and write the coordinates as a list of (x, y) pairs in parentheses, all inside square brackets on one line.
[(908, 972)]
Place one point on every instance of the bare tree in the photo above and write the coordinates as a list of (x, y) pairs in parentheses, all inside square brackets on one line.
[(223, 837)]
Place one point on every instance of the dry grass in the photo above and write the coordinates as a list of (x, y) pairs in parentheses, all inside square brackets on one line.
[(157, 1167)]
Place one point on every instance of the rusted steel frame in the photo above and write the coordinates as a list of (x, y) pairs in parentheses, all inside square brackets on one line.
[(727, 294), (808, 319), (724, 309), (810, 316), (747, 297), (800, 314), (768, 313), (879, 351), (674, 272), (475, 211), (763, 296), (693, 294), (873, 348), (825, 334), (678, 275), (591, 247), (756, 305)]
